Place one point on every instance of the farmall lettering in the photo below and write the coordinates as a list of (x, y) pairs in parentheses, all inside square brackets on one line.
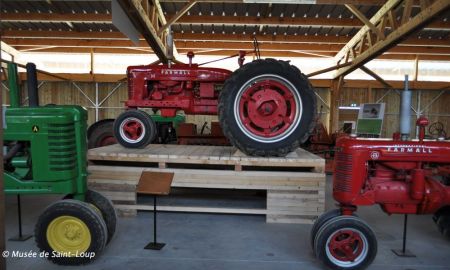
[(180, 72), (418, 149)]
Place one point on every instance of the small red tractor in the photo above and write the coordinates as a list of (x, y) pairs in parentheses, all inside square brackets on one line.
[(266, 107), (403, 177)]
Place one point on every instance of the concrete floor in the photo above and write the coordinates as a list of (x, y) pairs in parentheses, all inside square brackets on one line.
[(208, 241)]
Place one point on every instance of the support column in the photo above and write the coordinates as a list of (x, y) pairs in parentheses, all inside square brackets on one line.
[(2, 194), (336, 86), (370, 94)]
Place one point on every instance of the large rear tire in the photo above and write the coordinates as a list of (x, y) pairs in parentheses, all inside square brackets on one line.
[(134, 129), (267, 108), (106, 208), (101, 134)]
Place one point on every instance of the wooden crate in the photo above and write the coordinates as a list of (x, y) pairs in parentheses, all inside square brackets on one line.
[(295, 184)]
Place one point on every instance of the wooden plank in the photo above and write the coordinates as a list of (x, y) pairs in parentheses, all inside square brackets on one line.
[(221, 179), (120, 196), (202, 155), (218, 210), (290, 219), (292, 196)]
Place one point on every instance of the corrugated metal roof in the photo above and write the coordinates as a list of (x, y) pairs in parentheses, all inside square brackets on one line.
[(256, 12)]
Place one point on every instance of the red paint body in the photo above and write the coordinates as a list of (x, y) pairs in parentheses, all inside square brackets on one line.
[(190, 88), (400, 176)]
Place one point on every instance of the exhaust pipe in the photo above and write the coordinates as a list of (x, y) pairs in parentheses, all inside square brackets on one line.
[(405, 114), (33, 97), (169, 44)]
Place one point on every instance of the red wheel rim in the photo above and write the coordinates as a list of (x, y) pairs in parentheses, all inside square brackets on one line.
[(346, 245), (132, 130), (268, 108)]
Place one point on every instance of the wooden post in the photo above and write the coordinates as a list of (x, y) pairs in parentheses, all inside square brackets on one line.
[(416, 68), (334, 103), (370, 94), (2, 194), (92, 62)]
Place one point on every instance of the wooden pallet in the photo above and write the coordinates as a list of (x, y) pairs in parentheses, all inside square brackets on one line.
[(292, 196)]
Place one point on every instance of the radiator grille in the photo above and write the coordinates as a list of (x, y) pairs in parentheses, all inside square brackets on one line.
[(130, 86), (62, 147), (343, 172)]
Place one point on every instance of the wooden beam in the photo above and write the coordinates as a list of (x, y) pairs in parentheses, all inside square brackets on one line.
[(8, 49), (86, 77), (406, 11), (231, 52), (396, 36), (64, 34), (146, 51), (204, 19), (39, 71), (286, 21), (92, 62), (375, 76), (325, 70), (334, 103), (139, 17), (416, 69), (177, 16), (297, 39), (320, 39), (57, 17), (63, 42), (320, 2), (391, 4), (319, 83), (366, 21), (210, 45)]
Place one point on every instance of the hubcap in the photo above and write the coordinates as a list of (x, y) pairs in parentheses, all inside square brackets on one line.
[(347, 247), (267, 108), (132, 130), (68, 235)]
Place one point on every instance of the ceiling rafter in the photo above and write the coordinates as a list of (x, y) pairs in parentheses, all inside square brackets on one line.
[(319, 39), (215, 45), (177, 16), (204, 19), (147, 19), (319, 2), (361, 48), (218, 52)]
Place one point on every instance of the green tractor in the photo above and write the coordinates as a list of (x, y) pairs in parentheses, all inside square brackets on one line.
[(45, 153)]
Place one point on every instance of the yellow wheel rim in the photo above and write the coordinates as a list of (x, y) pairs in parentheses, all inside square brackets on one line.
[(68, 235)]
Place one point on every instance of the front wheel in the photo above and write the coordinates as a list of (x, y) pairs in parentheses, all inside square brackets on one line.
[(320, 222), (134, 129), (71, 232), (267, 108), (345, 242)]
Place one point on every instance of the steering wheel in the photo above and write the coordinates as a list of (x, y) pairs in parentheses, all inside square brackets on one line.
[(256, 48), (437, 130)]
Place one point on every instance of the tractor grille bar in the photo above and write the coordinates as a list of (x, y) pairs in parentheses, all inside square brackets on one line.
[(343, 173), (62, 147)]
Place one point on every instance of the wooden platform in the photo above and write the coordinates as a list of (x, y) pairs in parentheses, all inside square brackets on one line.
[(295, 184)]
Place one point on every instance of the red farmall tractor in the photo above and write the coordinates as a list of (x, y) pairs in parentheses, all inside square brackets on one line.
[(265, 107), (403, 177)]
